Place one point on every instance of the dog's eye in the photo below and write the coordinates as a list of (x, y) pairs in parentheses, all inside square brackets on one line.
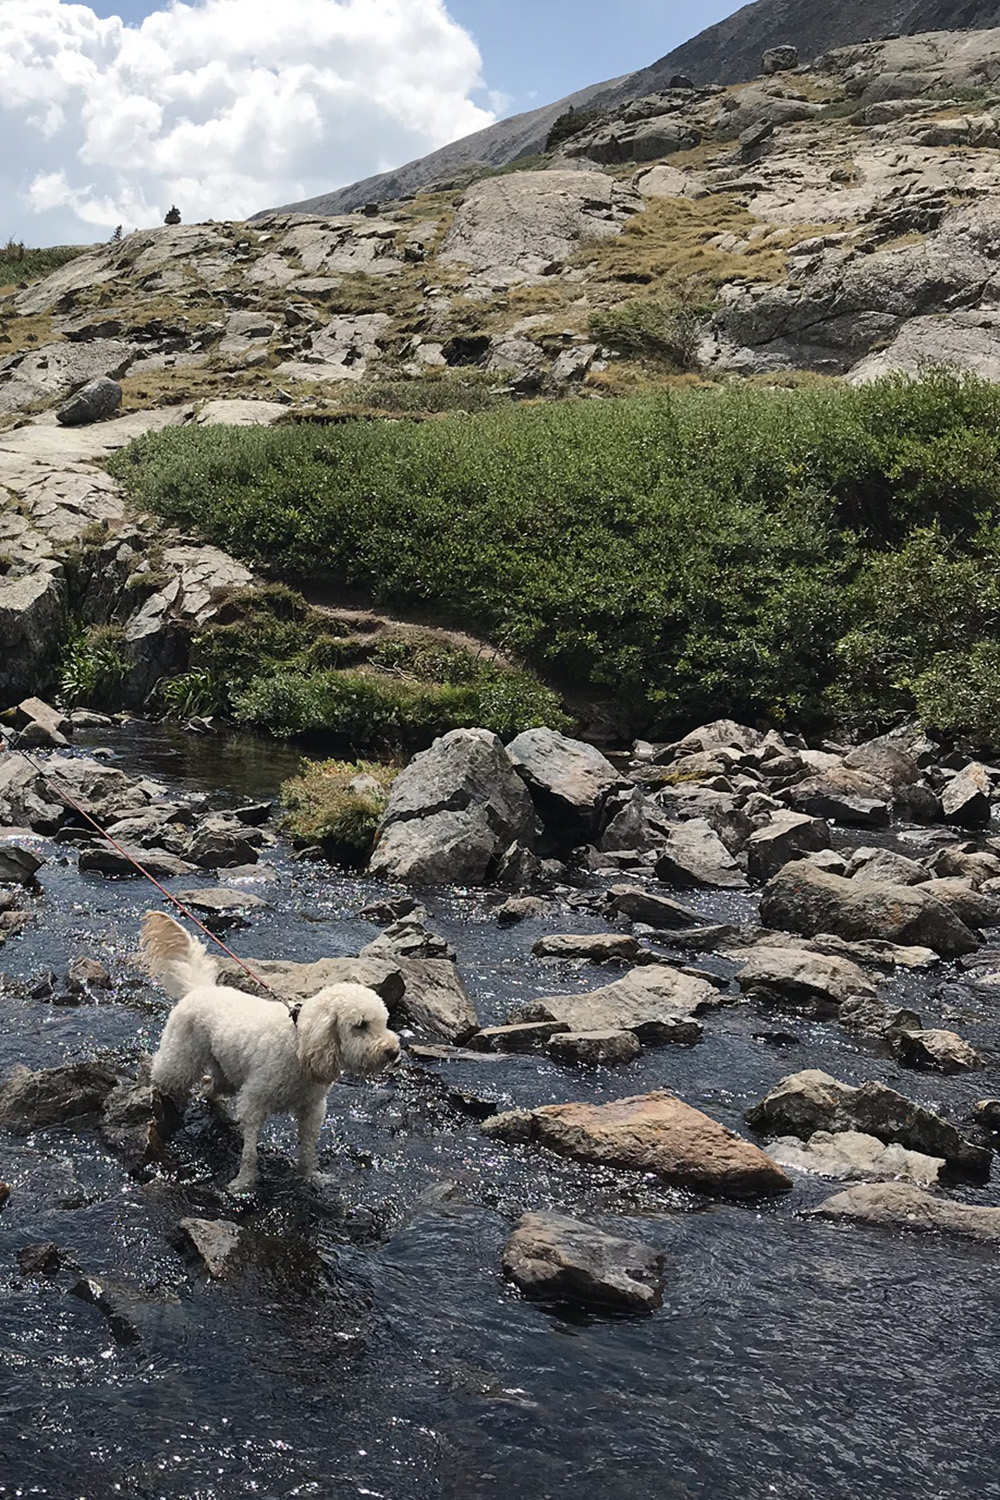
[(361, 1026)]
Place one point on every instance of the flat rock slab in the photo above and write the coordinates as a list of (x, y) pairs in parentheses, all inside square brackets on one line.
[(637, 905), (897, 1205), (560, 1259), (656, 1002), (102, 859), (598, 948), (655, 1133), (526, 1036), (219, 901), (794, 977), (852, 1156)]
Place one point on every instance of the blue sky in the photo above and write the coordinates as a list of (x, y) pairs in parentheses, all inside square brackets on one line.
[(113, 110)]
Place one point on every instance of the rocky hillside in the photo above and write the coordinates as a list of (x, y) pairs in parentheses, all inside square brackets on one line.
[(727, 53), (839, 220)]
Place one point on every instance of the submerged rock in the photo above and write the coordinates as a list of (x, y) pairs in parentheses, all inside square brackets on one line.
[(655, 1133), (215, 1241), (561, 1259), (594, 1049), (30, 1101), (597, 947), (897, 1205)]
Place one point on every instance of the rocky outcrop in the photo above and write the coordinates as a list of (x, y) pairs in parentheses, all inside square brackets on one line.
[(655, 1133), (562, 1260), (453, 813)]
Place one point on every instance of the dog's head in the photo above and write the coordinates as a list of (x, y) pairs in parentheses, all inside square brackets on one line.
[(345, 1029)]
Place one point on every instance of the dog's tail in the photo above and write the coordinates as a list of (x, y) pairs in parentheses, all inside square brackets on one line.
[(173, 957)]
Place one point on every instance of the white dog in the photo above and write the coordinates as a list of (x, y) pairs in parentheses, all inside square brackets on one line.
[(231, 1043)]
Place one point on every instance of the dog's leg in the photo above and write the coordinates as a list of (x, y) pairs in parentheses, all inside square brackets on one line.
[(309, 1117), (251, 1114)]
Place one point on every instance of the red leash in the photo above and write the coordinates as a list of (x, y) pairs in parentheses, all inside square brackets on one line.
[(65, 797)]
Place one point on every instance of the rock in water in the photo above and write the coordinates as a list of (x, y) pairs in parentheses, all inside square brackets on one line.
[(696, 856), (966, 798), (850, 1155), (786, 837), (897, 1205), (597, 947), (655, 1133), (18, 866), (453, 813), (656, 1002), (802, 899), (559, 1258), (94, 402), (594, 1049), (569, 781), (795, 977), (29, 1101), (216, 1242), (938, 1050), (812, 1100)]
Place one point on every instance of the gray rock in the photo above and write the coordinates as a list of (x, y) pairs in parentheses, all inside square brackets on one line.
[(886, 761), (809, 901), (976, 908), (694, 856), (519, 1036), (598, 948), (31, 1101), (102, 859), (18, 866), (658, 1003), (779, 59), (453, 812), (638, 905), (97, 400), (562, 1260), (218, 847), (409, 938), (786, 837), (594, 1049), (794, 977), (41, 725), (851, 1156), (569, 781), (896, 1205), (937, 1050), (520, 909), (216, 1242), (31, 610), (878, 866), (966, 798), (874, 1017), (803, 1103), (217, 901)]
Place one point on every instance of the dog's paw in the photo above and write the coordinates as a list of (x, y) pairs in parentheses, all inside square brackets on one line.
[(241, 1185)]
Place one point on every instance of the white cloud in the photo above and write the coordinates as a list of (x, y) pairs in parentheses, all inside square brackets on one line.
[(221, 106)]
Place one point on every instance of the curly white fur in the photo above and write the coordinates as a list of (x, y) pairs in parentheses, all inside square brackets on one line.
[(252, 1050)]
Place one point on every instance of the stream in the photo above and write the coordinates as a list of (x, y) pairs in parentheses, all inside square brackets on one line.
[(370, 1345)]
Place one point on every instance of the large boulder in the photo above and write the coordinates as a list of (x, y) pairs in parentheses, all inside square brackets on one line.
[(638, 905), (31, 618), (563, 1260), (54, 1096), (803, 899), (966, 798), (787, 836), (938, 1050), (453, 813), (655, 1133), (569, 781), (897, 1205), (94, 402), (694, 857), (812, 1100)]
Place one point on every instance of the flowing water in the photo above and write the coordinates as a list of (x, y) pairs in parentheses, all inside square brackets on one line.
[(370, 1346)]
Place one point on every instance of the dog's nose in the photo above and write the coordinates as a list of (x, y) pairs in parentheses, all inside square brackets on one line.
[(391, 1051)]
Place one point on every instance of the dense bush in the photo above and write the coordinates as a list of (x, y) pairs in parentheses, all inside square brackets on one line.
[(339, 805), (796, 555), (660, 332), (91, 669)]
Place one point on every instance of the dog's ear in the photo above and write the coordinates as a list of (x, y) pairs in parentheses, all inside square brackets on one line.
[(320, 1055)]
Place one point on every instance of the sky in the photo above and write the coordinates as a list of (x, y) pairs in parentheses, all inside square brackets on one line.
[(113, 110)]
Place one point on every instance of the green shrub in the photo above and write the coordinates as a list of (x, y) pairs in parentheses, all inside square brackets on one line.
[(322, 806), (91, 669), (195, 694), (797, 555), (959, 694), (569, 124), (19, 263), (662, 333)]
